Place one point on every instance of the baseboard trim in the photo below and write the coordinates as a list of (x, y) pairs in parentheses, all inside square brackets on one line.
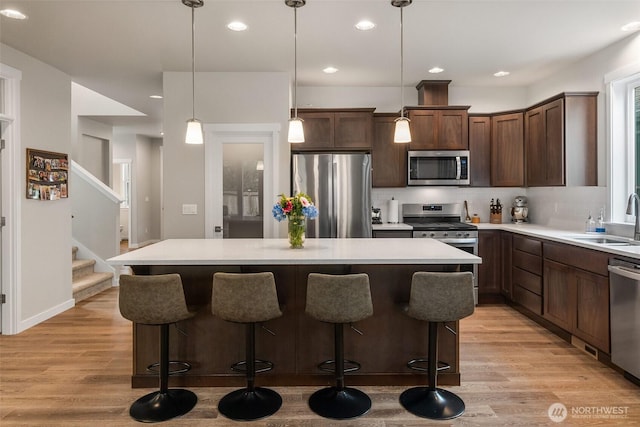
[(45, 315)]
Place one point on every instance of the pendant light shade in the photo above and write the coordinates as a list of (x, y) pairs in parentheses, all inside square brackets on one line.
[(296, 131), (402, 134), (194, 133)]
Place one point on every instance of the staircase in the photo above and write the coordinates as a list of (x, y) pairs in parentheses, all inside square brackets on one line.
[(86, 282)]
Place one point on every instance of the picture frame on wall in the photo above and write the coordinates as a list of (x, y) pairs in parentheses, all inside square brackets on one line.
[(47, 175)]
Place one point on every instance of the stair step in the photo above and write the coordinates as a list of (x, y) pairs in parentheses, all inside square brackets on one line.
[(82, 268), (90, 285)]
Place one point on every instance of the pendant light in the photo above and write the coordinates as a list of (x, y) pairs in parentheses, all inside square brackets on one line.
[(402, 134), (296, 132), (194, 127)]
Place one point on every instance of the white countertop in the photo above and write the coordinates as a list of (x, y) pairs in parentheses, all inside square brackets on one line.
[(565, 236), (392, 227), (277, 252)]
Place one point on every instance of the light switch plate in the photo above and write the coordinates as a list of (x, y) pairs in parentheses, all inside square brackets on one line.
[(189, 209)]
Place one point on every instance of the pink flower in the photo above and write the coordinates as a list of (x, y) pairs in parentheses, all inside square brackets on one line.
[(288, 207), (304, 201)]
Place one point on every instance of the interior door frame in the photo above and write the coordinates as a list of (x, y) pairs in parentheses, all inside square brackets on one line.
[(215, 135), (12, 188)]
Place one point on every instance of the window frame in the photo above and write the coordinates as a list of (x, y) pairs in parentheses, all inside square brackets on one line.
[(622, 140)]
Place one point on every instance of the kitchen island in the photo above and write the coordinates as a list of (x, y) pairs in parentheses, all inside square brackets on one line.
[(390, 338)]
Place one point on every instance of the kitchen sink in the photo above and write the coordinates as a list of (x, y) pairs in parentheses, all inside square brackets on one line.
[(607, 240)]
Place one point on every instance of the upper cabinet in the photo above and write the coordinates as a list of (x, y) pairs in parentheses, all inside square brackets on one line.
[(566, 123), (335, 129), (439, 127), (507, 150), (480, 150), (389, 160)]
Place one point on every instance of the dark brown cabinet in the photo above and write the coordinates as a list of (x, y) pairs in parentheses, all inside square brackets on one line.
[(439, 128), (563, 125), (389, 160), (506, 248), (507, 150), (480, 150), (490, 269), (350, 128), (526, 273), (576, 292)]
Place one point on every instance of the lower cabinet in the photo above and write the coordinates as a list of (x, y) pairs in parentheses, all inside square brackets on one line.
[(575, 299), (489, 271), (392, 233), (506, 249), (526, 273)]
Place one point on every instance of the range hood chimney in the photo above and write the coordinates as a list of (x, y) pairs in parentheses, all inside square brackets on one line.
[(433, 92)]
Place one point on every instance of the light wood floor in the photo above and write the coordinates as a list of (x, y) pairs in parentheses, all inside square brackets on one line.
[(73, 370)]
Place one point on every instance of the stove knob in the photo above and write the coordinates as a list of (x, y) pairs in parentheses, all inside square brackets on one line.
[(432, 235), (458, 234), (424, 234), (466, 234), (446, 234)]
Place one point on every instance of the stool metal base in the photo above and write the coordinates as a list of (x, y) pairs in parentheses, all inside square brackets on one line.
[(339, 403), (248, 405), (157, 406), (435, 404)]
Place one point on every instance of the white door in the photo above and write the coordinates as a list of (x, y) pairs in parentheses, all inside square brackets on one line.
[(240, 176)]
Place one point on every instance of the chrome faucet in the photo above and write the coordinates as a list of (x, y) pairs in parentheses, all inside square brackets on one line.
[(632, 209)]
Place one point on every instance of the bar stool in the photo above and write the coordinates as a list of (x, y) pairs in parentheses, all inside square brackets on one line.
[(247, 298), (339, 299), (435, 298), (157, 300)]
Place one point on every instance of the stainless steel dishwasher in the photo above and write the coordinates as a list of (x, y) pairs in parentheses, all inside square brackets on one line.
[(624, 304)]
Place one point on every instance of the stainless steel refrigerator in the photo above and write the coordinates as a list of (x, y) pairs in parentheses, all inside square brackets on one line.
[(340, 187)]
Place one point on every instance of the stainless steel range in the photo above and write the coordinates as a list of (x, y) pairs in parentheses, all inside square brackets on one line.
[(442, 221)]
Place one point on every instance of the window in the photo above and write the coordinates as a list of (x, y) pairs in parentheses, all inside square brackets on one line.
[(624, 131)]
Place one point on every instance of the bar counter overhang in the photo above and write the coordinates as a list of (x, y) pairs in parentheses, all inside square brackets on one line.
[(390, 338)]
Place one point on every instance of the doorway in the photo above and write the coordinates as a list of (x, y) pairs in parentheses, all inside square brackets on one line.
[(122, 187), (240, 179)]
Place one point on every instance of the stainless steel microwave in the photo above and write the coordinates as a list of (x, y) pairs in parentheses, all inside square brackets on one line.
[(438, 167)]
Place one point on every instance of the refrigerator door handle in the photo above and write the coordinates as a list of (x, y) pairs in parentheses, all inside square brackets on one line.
[(332, 198), (458, 167)]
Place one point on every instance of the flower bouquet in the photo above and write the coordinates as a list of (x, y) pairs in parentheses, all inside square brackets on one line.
[(295, 209)]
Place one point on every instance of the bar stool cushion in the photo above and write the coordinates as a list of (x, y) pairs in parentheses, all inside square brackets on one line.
[(441, 297), (153, 300), (245, 297), (338, 298)]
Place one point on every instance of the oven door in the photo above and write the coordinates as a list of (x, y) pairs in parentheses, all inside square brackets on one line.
[(470, 246)]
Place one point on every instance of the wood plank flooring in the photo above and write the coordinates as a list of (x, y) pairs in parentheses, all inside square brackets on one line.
[(74, 370)]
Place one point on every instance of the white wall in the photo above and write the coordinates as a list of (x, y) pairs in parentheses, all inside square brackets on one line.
[(220, 98), (44, 287)]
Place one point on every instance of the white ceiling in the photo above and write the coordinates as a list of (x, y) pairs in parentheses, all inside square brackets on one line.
[(120, 48)]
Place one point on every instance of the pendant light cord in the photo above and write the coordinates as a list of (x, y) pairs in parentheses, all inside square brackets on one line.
[(401, 64), (193, 63), (295, 61)]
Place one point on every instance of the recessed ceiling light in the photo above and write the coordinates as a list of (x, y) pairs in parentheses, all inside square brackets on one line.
[(501, 73), (237, 26), (436, 70), (13, 14), (365, 25), (631, 26), (330, 70), (155, 96)]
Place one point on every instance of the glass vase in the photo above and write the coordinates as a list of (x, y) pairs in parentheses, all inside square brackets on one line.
[(297, 228)]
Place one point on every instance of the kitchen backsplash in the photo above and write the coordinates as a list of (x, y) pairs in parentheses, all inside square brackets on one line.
[(558, 207)]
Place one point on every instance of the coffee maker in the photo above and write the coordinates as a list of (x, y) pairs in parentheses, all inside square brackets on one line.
[(519, 210)]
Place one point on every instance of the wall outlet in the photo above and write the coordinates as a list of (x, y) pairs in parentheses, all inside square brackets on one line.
[(189, 209)]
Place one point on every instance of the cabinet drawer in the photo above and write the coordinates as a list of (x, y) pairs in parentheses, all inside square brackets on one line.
[(392, 234), (529, 281), (527, 245), (526, 261), (584, 259), (527, 299)]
